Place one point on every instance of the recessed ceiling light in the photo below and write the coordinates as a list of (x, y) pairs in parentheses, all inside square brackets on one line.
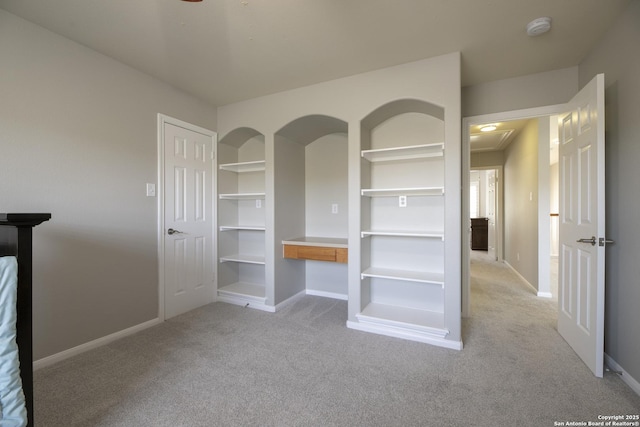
[(488, 128), (539, 26)]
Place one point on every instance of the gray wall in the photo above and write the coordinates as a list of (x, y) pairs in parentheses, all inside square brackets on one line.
[(618, 56), (535, 90), (521, 203), (487, 159), (78, 140)]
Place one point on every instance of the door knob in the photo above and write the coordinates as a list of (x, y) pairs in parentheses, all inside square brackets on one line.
[(171, 232), (592, 240)]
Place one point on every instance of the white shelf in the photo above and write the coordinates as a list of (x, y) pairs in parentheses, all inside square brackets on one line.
[(405, 318), (245, 259), (404, 153), (242, 227), (242, 167), (242, 196), (391, 192), (405, 275), (248, 291), (329, 242), (403, 233)]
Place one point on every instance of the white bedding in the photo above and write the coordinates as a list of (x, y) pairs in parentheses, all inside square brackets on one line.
[(12, 407)]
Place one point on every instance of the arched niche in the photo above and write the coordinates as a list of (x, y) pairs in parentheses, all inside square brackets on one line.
[(307, 129), (402, 220), (311, 200), (241, 217), (237, 137), (401, 106)]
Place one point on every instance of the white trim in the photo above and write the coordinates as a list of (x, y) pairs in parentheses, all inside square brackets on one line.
[(59, 357), (245, 302), (406, 334), (332, 295), (521, 277), (538, 293), (290, 300), (259, 306), (628, 379), (162, 120), (160, 215)]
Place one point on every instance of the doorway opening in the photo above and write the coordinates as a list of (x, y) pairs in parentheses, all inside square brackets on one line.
[(581, 199), (485, 211), (523, 207)]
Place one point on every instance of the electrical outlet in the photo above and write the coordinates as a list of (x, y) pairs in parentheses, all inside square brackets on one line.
[(402, 201), (258, 203), (334, 208)]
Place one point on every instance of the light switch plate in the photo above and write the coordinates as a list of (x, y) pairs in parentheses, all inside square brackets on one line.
[(151, 190)]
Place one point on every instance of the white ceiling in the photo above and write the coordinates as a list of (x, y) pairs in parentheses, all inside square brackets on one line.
[(224, 51), (497, 139)]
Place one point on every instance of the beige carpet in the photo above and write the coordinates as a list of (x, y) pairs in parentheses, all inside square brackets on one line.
[(223, 365)]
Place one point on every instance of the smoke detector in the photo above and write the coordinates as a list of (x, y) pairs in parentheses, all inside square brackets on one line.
[(539, 26)]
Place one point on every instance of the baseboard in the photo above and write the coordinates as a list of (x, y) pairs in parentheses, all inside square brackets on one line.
[(521, 277), (545, 294), (244, 302), (59, 357), (406, 335), (332, 295), (628, 379), (290, 300)]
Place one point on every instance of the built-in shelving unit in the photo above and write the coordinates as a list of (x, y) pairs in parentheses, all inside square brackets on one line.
[(402, 280), (241, 219), (357, 200)]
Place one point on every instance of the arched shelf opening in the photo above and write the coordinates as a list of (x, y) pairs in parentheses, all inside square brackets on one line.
[(401, 106), (402, 217), (237, 137), (311, 206), (307, 129), (241, 218)]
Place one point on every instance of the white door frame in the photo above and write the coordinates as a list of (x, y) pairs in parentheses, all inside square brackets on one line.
[(467, 122), (498, 207), (162, 120)]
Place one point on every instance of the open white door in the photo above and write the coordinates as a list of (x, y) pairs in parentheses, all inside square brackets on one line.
[(188, 218), (582, 243)]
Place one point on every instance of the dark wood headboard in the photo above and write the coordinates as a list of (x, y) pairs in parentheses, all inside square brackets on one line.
[(16, 239)]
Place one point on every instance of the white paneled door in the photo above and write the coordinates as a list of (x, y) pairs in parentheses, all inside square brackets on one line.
[(188, 219), (582, 238)]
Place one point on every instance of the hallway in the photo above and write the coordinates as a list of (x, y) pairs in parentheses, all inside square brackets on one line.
[(517, 331)]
